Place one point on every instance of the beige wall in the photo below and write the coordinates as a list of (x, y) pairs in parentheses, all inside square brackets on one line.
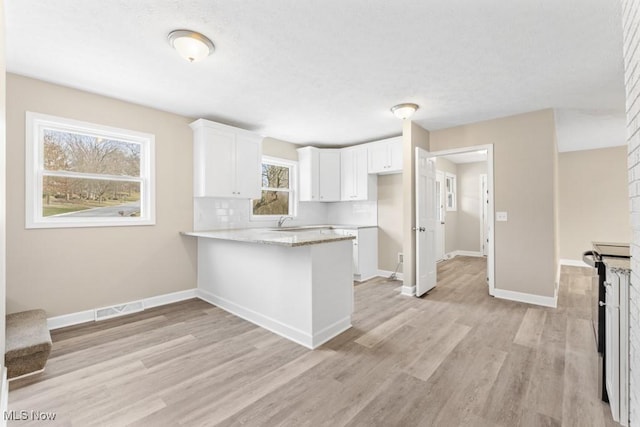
[(74, 269), (593, 199), (412, 136), (523, 179), (389, 221), (469, 205), (280, 149)]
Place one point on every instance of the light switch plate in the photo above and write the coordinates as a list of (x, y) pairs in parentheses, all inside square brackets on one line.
[(501, 216)]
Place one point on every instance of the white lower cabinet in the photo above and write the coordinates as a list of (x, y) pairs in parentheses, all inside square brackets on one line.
[(365, 252), (617, 343)]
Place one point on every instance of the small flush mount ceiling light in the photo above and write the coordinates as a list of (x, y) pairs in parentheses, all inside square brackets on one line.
[(404, 111), (190, 45)]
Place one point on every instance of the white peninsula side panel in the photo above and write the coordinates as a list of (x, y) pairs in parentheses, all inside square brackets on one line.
[(303, 293)]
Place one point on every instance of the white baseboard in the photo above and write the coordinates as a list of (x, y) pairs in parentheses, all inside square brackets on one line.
[(454, 254), (387, 273), (296, 335), (527, 298), (331, 332), (360, 278), (409, 291), (574, 262), (71, 319), (169, 298)]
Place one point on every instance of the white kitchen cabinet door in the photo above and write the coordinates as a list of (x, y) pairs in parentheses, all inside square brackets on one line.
[(395, 154), (226, 161), (348, 175), (365, 252), (357, 184), (308, 175), (378, 157), (319, 174), (329, 175), (248, 167), (385, 156)]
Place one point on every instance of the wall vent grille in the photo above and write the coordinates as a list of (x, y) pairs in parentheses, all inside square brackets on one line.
[(118, 310)]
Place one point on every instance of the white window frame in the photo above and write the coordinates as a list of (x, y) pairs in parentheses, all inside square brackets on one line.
[(34, 172), (293, 193), (453, 206)]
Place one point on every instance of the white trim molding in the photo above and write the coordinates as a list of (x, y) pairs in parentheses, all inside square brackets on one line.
[(574, 262), (526, 298), (387, 273), (298, 336), (85, 316), (38, 125), (454, 254), (408, 291)]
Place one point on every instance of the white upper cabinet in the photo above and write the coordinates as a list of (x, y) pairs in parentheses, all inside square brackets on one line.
[(226, 161), (385, 156), (319, 174), (356, 182)]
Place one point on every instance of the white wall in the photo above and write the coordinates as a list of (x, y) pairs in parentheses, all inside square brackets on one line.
[(631, 43)]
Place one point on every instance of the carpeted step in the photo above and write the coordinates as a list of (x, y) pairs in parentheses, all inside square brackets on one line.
[(28, 342)]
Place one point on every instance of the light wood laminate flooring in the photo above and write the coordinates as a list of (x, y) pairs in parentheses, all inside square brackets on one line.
[(454, 357)]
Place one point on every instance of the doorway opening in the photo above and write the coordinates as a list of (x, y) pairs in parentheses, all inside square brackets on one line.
[(455, 209)]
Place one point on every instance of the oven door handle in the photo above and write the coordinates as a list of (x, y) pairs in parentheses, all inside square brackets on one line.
[(589, 258)]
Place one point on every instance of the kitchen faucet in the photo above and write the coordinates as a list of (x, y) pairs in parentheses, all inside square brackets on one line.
[(282, 220)]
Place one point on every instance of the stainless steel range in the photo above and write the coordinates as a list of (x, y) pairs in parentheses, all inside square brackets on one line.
[(594, 258)]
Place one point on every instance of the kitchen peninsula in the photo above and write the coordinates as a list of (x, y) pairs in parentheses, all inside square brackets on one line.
[(296, 283)]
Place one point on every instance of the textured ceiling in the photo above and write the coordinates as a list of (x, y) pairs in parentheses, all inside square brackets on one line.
[(327, 72)]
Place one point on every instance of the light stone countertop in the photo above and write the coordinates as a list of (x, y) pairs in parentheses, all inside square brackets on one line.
[(270, 236)]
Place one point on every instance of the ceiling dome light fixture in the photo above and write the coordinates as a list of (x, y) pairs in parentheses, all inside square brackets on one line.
[(190, 45), (404, 111)]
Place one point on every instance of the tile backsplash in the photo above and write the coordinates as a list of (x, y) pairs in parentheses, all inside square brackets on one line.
[(353, 213), (215, 213)]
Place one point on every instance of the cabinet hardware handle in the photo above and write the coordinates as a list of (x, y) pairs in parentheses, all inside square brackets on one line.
[(602, 304)]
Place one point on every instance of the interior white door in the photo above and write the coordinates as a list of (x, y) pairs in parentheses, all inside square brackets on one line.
[(440, 215), (426, 209)]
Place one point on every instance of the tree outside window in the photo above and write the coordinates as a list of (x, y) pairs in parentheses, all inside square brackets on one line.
[(277, 189), (87, 175)]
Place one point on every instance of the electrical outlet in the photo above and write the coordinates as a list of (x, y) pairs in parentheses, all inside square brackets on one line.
[(400, 257)]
